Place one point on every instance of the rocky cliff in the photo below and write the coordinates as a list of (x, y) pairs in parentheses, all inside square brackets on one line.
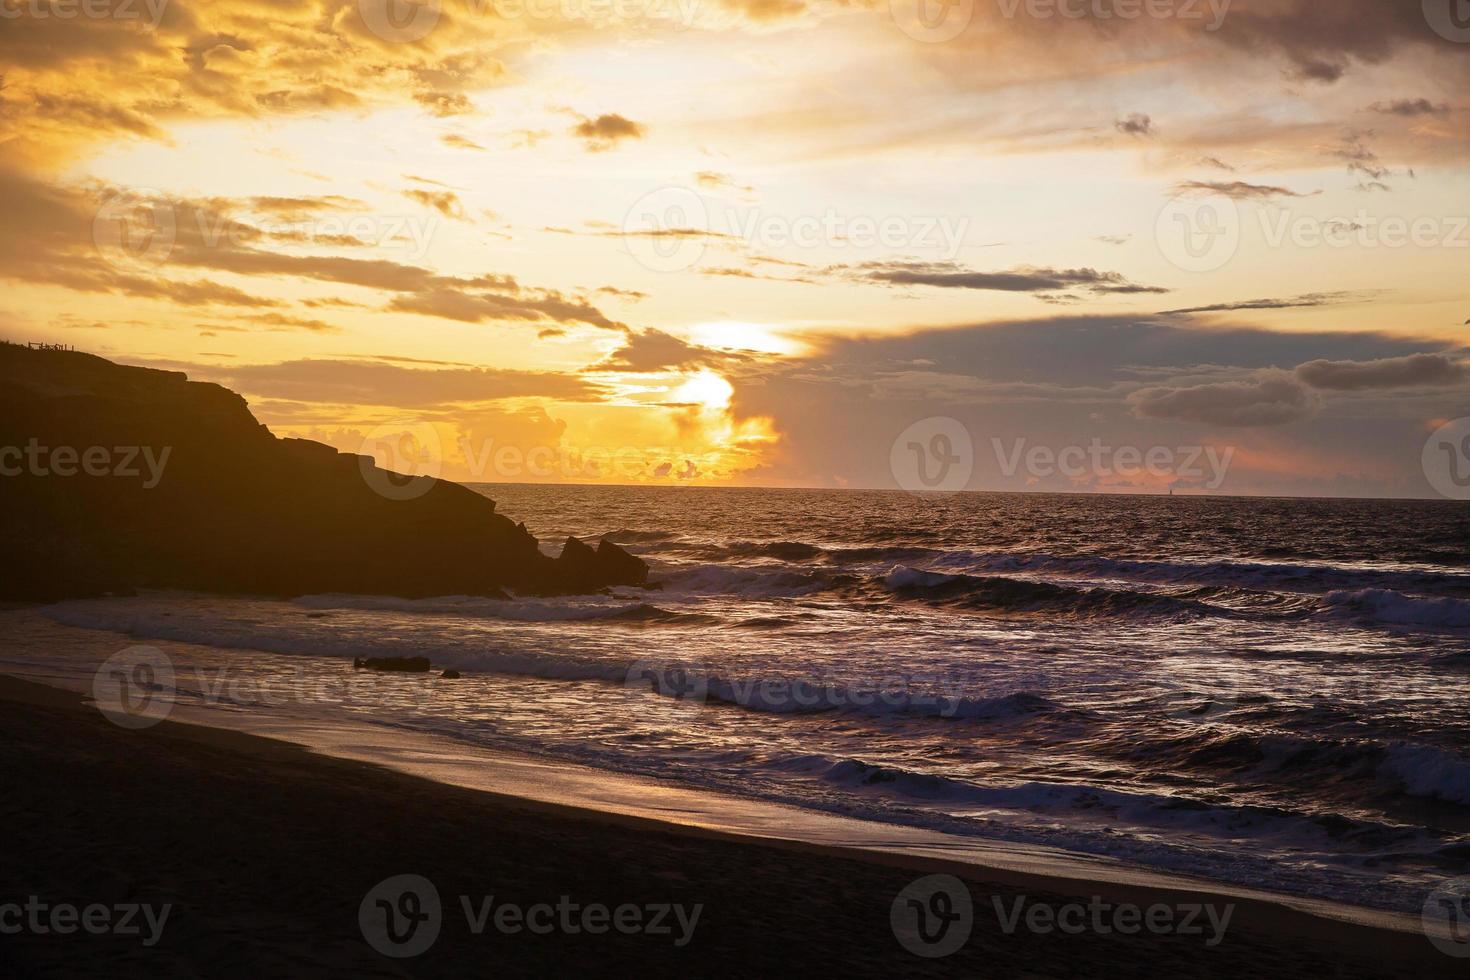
[(115, 478)]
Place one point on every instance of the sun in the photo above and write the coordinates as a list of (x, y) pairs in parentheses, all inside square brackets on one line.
[(705, 389)]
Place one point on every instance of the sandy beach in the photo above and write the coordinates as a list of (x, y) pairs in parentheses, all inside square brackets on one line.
[(264, 853)]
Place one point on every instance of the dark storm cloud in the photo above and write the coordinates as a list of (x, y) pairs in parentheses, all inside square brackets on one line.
[(1273, 399), (1414, 371), (1102, 350)]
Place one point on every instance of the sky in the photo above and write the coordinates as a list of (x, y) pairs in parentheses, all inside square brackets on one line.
[(1199, 246)]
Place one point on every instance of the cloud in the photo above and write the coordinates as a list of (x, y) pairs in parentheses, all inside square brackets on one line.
[(296, 209), (1024, 279), (473, 306), (446, 203), (461, 142), (650, 233), (763, 11), (1237, 190), (714, 180), (1293, 302), (607, 131), (735, 272), (1360, 159), (654, 350), (1414, 371), (279, 322), (1410, 108), (1135, 124), (445, 104), (631, 295), (1270, 399), (371, 383), (49, 240), (1323, 38)]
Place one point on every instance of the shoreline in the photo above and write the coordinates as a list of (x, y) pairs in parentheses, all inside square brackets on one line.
[(371, 841), (608, 794), (1257, 923)]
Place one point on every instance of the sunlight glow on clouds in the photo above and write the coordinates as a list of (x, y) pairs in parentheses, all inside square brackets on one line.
[(351, 229)]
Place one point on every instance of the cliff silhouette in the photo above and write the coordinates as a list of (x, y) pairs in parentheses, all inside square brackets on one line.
[(117, 478)]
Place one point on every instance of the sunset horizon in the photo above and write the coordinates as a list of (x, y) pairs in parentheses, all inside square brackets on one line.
[(1171, 224), (703, 488)]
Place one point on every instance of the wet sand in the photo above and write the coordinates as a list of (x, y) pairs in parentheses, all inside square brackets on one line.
[(265, 852)]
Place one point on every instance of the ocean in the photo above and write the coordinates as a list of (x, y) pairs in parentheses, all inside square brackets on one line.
[(1268, 692)]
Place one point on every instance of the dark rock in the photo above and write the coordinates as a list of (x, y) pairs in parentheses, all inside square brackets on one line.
[(231, 507), (596, 568), (407, 665), (618, 567), (450, 675)]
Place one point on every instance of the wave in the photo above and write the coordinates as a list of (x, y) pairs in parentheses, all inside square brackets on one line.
[(914, 695), (928, 700), (625, 535), (784, 550), (1010, 595), (1429, 772), (1389, 606), (1133, 808), (1267, 576), (1363, 768), (526, 610), (745, 580)]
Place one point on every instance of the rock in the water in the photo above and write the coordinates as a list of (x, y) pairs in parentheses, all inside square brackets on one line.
[(606, 565), (186, 490), (618, 567), (407, 665), (450, 675)]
